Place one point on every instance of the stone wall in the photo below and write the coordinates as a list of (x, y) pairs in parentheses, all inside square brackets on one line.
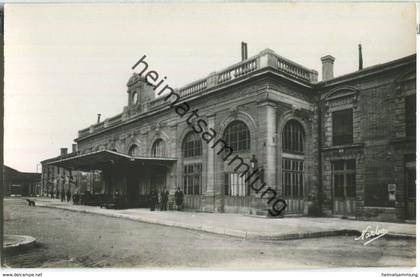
[(379, 142)]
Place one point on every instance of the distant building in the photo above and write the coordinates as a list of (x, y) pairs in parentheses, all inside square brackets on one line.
[(342, 146), (16, 183), (57, 179)]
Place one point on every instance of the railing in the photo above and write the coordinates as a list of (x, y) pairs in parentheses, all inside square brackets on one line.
[(157, 102), (193, 88), (264, 59), (84, 132), (114, 120), (102, 125), (98, 126), (293, 69), (238, 70)]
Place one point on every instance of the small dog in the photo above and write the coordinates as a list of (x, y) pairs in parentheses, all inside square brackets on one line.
[(31, 202)]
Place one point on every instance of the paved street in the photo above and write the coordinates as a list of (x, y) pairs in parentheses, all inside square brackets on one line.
[(72, 239)]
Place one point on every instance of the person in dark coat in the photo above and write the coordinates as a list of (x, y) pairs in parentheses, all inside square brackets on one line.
[(57, 192), (153, 199), (63, 195), (179, 199), (76, 198), (52, 192), (68, 194), (164, 196)]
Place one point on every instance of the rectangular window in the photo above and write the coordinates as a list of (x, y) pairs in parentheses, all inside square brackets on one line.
[(235, 184), (192, 179), (342, 127), (293, 178), (410, 115), (344, 178)]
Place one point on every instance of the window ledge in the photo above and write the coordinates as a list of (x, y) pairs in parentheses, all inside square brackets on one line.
[(404, 139), (235, 152), (231, 196), (380, 207)]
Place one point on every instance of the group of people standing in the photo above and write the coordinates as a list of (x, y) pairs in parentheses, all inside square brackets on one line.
[(58, 182), (164, 198)]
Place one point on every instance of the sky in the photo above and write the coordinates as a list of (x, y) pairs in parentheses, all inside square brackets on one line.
[(65, 63)]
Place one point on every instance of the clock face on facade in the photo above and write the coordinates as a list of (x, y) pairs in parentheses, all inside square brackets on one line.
[(134, 98)]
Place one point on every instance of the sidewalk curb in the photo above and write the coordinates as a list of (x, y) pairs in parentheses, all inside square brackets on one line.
[(232, 232), (26, 243)]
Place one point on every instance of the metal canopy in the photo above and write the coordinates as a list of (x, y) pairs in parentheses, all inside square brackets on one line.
[(105, 158)]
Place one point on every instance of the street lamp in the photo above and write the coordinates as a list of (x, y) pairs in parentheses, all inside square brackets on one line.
[(254, 163), (254, 167)]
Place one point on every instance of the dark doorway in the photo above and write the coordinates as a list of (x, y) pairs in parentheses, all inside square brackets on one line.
[(158, 182), (410, 187), (344, 187)]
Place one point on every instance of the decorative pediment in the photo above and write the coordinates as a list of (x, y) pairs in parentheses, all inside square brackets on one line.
[(134, 110), (134, 79), (342, 96), (406, 84), (340, 92)]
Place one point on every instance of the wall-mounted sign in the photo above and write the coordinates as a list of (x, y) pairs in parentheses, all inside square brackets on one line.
[(392, 187)]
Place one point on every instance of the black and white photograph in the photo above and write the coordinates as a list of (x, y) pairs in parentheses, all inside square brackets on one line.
[(226, 135)]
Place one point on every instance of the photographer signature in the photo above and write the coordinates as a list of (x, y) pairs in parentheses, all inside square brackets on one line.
[(371, 234)]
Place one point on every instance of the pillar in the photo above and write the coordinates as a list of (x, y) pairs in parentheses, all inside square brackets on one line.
[(209, 194), (268, 129), (210, 161)]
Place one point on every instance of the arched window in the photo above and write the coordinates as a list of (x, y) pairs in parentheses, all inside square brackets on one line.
[(237, 136), (293, 137), (192, 146), (133, 151), (293, 165), (158, 148)]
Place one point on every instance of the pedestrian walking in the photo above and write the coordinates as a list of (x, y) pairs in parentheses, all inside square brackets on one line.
[(164, 196), (179, 199), (153, 199)]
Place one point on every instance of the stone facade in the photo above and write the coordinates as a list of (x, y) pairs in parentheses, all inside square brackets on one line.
[(16, 183), (380, 144), (267, 92)]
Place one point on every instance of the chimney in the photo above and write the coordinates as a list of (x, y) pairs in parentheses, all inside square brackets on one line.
[(244, 50), (327, 67), (360, 57), (63, 151), (99, 117), (74, 147)]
